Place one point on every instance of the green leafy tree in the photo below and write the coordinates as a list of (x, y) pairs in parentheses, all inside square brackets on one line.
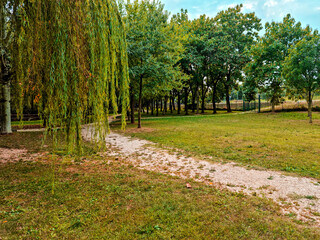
[(301, 69), (264, 70), (72, 56), (239, 31), (153, 49)]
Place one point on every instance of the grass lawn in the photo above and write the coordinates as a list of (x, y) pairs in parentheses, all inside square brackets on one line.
[(281, 141), (102, 198), (175, 113)]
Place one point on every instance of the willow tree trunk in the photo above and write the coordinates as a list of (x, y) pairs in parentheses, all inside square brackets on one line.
[(310, 107), (5, 114), (140, 100)]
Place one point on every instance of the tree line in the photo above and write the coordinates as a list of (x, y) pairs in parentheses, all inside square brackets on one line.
[(79, 61), (177, 60)]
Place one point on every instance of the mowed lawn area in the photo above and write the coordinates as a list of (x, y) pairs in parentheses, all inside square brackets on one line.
[(105, 198), (281, 141)]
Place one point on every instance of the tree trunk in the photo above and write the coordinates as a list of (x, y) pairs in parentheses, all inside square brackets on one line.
[(165, 105), (198, 101), (152, 106), (5, 108), (132, 107), (203, 103), (171, 102), (128, 115), (310, 107), (161, 105), (179, 104), (228, 98), (157, 106), (214, 98), (203, 96), (273, 107), (186, 101), (193, 101), (173, 98), (140, 99)]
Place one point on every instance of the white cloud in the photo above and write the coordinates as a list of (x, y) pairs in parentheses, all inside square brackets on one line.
[(270, 3)]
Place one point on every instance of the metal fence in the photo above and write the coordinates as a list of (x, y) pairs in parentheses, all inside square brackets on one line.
[(265, 106)]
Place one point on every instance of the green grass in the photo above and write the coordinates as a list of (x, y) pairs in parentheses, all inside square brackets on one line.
[(281, 141), (34, 122), (102, 198), (175, 113)]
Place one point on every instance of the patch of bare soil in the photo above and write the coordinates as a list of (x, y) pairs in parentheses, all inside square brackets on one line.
[(298, 195), (15, 155)]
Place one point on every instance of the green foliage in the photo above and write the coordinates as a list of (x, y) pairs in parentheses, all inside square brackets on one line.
[(302, 67), (264, 71), (154, 48), (71, 55)]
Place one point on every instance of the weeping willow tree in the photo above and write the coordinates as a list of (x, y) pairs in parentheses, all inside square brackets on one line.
[(71, 57)]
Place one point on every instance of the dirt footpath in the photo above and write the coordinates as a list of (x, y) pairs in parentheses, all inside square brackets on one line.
[(295, 195)]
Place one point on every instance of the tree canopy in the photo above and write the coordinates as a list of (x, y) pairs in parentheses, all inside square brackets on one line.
[(72, 56)]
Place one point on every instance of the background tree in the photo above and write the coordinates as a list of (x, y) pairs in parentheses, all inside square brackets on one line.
[(239, 32), (267, 56), (153, 48), (302, 69)]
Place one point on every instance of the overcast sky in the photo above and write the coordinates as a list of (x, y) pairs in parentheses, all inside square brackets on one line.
[(305, 11)]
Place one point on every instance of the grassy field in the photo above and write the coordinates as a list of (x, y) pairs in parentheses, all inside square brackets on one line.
[(102, 198), (281, 141)]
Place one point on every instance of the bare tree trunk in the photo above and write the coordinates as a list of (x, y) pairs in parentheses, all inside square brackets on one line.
[(140, 99), (228, 98), (310, 107), (5, 114), (179, 103), (186, 101), (214, 99), (165, 105), (171, 101), (198, 101), (152, 106), (157, 106), (193, 101), (273, 107), (227, 92)]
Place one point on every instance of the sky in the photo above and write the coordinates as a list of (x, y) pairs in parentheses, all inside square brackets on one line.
[(305, 11)]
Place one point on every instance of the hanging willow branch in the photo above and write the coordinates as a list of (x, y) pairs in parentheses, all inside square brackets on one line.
[(71, 55)]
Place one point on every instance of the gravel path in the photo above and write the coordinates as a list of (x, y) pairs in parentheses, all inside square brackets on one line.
[(298, 195)]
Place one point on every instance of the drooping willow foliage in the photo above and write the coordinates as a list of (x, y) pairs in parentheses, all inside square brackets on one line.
[(71, 55)]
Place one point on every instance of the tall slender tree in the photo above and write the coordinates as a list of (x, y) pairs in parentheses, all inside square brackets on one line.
[(302, 69)]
